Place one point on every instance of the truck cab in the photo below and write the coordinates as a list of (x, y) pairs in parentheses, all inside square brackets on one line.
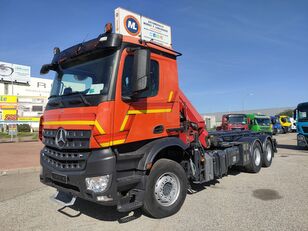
[(301, 117), (285, 123), (233, 122), (276, 126), (259, 123)]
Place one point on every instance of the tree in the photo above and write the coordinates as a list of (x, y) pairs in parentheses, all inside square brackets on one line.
[(288, 112)]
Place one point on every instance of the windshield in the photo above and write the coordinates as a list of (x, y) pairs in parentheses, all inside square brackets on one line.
[(87, 78), (285, 119), (303, 113), (263, 121), (274, 120), (236, 119)]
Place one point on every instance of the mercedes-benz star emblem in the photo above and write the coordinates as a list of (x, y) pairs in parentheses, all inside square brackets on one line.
[(61, 138)]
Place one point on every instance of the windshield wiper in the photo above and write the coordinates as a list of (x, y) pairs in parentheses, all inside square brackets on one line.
[(84, 100)]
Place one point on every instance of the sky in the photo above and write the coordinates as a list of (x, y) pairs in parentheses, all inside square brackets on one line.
[(239, 54)]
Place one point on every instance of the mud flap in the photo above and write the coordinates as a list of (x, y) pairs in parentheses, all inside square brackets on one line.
[(63, 198)]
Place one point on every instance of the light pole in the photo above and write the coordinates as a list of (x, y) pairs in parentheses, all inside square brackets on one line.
[(244, 98), (12, 82)]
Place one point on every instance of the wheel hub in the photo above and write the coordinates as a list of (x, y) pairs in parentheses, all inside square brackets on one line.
[(167, 189)]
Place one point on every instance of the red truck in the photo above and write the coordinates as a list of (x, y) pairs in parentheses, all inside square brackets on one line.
[(117, 129), (231, 122)]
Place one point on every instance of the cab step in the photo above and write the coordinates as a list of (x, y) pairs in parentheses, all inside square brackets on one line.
[(132, 201)]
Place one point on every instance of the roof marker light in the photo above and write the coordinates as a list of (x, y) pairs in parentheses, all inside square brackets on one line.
[(108, 27), (56, 50)]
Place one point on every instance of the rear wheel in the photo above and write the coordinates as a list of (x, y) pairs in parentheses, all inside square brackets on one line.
[(166, 189), (256, 158), (268, 154)]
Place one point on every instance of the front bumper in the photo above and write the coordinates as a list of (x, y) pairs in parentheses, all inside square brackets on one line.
[(99, 162)]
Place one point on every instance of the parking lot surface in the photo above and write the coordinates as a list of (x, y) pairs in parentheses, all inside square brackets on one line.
[(274, 199)]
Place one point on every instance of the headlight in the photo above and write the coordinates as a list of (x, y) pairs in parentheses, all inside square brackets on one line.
[(98, 184)]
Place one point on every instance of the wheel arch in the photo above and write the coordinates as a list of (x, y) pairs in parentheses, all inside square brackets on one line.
[(161, 148)]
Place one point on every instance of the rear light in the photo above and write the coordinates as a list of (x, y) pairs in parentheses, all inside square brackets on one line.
[(41, 128)]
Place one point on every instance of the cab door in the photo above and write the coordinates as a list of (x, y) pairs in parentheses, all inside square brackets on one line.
[(149, 114)]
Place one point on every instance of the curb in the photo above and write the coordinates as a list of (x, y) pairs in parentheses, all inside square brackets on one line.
[(19, 171)]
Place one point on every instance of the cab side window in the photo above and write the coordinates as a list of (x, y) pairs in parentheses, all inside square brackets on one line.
[(153, 81)]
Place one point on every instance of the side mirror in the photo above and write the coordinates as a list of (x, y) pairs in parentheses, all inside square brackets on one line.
[(248, 120), (224, 120), (46, 68), (294, 114), (141, 71)]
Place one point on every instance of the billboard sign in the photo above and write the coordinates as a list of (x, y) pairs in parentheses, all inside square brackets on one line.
[(14, 72), (132, 24), (4, 99)]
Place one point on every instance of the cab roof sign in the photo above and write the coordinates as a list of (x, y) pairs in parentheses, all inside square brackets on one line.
[(132, 24)]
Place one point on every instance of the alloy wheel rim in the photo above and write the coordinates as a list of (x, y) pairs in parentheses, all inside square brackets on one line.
[(257, 155), (269, 153), (167, 189)]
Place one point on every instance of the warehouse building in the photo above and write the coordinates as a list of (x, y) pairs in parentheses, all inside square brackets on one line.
[(22, 98)]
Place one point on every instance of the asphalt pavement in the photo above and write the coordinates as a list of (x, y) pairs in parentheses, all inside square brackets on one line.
[(274, 199)]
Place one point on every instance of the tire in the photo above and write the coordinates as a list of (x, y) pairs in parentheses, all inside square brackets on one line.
[(268, 154), (256, 158), (284, 130), (166, 189)]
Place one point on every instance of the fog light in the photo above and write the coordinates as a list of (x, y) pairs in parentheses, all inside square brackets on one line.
[(97, 184), (104, 198)]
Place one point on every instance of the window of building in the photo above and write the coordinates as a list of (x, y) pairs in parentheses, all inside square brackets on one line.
[(6, 88), (127, 76), (37, 108)]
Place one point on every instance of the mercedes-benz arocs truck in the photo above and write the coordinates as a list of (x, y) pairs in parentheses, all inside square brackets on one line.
[(276, 126), (117, 129), (259, 123), (233, 122), (285, 123), (301, 117)]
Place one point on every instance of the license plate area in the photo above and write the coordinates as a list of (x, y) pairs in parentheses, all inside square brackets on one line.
[(59, 177)]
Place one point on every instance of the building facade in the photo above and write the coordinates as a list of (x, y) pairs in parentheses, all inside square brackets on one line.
[(22, 98)]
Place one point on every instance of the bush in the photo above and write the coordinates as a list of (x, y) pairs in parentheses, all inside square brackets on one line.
[(287, 113), (23, 128)]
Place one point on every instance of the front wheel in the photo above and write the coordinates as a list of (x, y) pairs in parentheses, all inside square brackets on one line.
[(166, 189)]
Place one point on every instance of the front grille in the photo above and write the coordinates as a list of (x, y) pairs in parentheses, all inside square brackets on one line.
[(75, 139), (305, 129), (238, 129), (64, 161)]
